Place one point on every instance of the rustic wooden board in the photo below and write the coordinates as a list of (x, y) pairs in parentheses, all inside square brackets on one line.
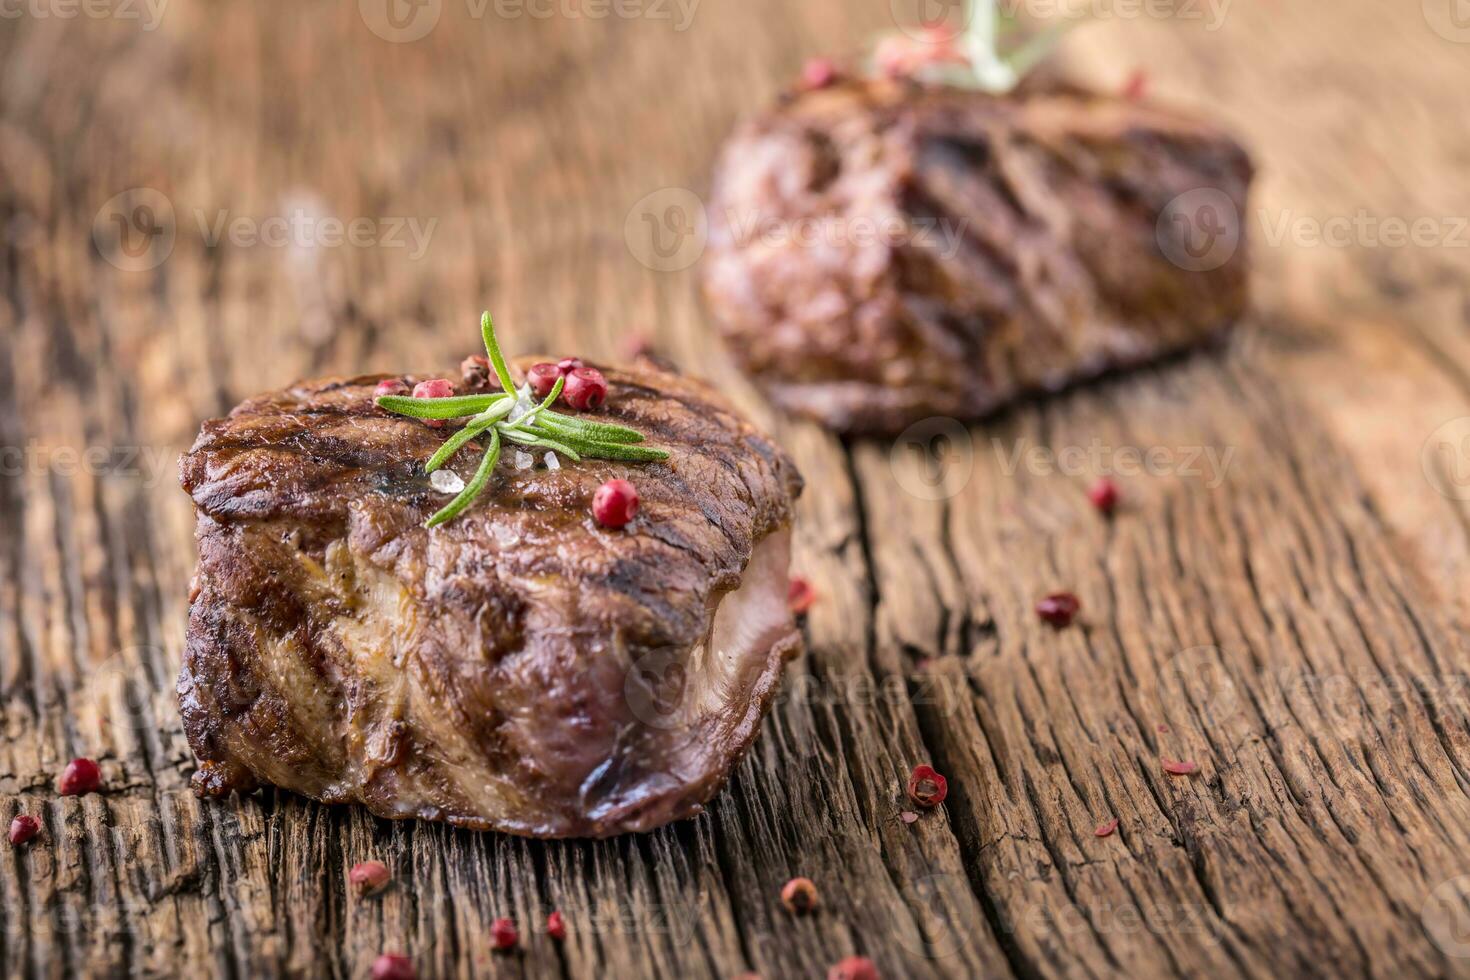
[(1292, 613)]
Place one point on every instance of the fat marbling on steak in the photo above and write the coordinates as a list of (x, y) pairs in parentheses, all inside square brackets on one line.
[(519, 668), (881, 251)]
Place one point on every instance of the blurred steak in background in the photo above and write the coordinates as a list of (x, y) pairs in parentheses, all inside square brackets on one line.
[(882, 251)]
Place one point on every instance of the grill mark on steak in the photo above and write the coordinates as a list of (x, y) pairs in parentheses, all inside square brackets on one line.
[(475, 674)]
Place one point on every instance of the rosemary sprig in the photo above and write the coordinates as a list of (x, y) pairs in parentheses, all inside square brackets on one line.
[(439, 408), (472, 489), (537, 426), (991, 59)]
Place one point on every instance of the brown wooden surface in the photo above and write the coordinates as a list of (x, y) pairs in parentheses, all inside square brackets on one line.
[(1298, 626)]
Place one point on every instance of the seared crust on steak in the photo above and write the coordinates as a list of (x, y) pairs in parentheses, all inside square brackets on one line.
[(519, 668), (884, 251)]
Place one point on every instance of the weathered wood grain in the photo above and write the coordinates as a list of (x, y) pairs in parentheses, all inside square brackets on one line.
[(1292, 615)]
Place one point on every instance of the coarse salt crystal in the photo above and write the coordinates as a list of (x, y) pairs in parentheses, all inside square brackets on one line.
[(524, 403), (446, 481), (524, 461), (552, 463)]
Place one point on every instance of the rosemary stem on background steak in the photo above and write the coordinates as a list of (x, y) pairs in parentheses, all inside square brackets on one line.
[(988, 49), (534, 425)]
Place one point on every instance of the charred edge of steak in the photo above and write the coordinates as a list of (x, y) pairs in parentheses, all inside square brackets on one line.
[(1013, 246), (482, 674)]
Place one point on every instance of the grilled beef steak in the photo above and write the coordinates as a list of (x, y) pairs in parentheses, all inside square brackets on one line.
[(519, 668), (884, 251)]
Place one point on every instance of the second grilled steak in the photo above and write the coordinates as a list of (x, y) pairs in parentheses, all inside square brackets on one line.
[(884, 251)]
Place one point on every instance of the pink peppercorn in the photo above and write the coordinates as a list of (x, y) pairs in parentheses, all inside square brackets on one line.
[(434, 388), (926, 787), (390, 386), (799, 895), (504, 934), (586, 388), (800, 595), (80, 776), (475, 370), (368, 877), (543, 377), (392, 966), (1136, 85), (818, 73), (615, 503), (1104, 495), (556, 926), (1059, 608), (853, 968), (23, 828)]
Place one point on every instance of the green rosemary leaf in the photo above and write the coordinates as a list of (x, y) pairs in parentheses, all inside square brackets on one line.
[(602, 431), (588, 443), (467, 496), (530, 439), (457, 441), (492, 348), (438, 408), (551, 396), (623, 451), (497, 411)]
